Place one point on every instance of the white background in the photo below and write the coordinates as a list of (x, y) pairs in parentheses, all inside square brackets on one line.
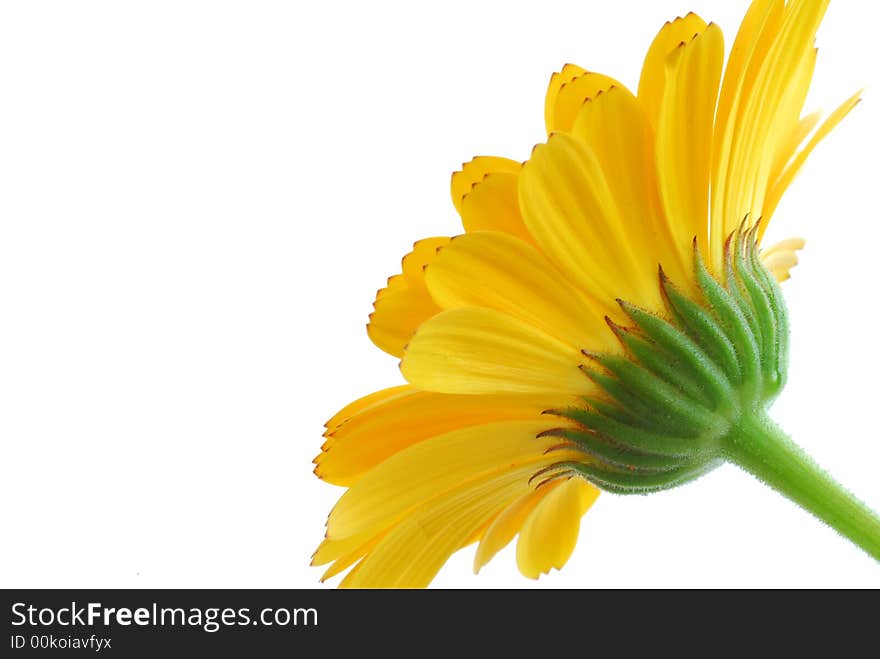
[(198, 202)]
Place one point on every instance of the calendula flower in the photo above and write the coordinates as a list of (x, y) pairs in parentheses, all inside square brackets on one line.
[(608, 319)]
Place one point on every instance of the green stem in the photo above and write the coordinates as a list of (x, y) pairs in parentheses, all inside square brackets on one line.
[(760, 447)]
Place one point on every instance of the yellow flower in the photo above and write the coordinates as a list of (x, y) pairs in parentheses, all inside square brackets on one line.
[(490, 326)]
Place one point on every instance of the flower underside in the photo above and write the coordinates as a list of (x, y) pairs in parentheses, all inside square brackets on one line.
[(668, 405), (528, 389)]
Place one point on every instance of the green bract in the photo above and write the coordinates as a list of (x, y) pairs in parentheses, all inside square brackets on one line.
[(669, 406), (692, 391)]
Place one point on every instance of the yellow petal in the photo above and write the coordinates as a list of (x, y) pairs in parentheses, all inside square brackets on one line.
[(794, 167), (571, 97), (471, 350), (500, 272), (364, 403), (550, 533), (761, 103), (397, 315), (568, 73), (684, 135), (777, 137), (405, 303), (790, 129), (493, 205), (335, 549), (431, 467), (615, 128), (653, 78), (782, 257), (781, 275), (344, 560), (413, 264), (783, 246), (412, 552), (508, 523), (397, 422), (790, 145), (475, 171), (756, 33), (569, 209)]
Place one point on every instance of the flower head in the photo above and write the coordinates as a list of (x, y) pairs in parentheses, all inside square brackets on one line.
[(546, 354)]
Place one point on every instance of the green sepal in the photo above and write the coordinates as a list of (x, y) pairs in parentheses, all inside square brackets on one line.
[(632, 437), (614, 411), (699, 324), (692, 391), (639, 411), (661, 362), (685, 379), (614, 456), (725, 305), (733, 262), (686, 353), (762, 313), (632, 482), (780, 320), (665, 400)]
